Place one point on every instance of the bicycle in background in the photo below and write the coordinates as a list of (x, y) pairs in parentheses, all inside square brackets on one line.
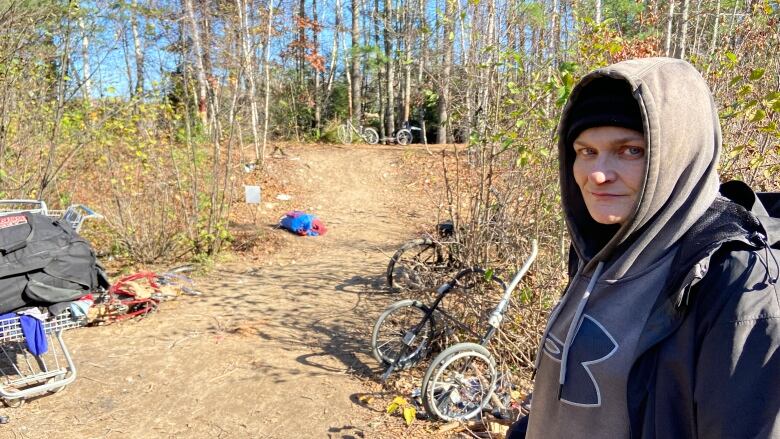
[(348, 131), (405, 135)]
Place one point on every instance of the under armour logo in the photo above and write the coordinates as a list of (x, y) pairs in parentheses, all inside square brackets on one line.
[(592, 344)]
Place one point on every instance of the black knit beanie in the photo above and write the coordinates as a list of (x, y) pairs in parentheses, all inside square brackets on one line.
[(604, 102)]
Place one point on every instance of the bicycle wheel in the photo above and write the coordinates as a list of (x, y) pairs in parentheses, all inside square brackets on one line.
[(416, 266), (402, 335), (370, 136), (345, 134), (403, 137), (459, 382)]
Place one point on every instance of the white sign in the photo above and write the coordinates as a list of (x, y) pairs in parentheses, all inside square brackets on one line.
[(252, 194)]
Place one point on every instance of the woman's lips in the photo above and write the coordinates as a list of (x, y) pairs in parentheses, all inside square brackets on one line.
[(605, 195)]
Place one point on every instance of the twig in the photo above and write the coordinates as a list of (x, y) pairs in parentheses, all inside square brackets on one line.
[(97, 381), (224, 374), (182, 339)]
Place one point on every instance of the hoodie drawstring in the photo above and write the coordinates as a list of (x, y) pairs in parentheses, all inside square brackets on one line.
[(553, 316), (777, 264), (762, 240), (574, 325)]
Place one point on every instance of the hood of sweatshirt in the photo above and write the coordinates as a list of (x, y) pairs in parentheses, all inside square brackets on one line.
[(683, 137)]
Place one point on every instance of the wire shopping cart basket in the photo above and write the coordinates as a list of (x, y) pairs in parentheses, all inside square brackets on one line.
[(23, 374), (75, 214)]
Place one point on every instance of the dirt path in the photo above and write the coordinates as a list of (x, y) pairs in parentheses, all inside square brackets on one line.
[(272, 351)]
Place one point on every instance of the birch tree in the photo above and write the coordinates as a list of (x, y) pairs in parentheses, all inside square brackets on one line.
[(357, 78), (138, 49), (200, 71), (247, 72), (389, 69), (446, 69)]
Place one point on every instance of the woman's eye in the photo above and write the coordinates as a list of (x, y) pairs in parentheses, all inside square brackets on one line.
[(586, 151), (635, 151)]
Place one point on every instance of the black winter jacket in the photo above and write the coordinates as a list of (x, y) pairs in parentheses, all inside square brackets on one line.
[(710, 351)]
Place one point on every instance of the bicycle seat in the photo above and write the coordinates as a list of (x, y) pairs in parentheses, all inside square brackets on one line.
[(446, 229)]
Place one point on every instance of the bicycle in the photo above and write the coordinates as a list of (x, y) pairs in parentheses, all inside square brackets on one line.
[(347, 130), (405, 135), (422, 263), (461, 381)]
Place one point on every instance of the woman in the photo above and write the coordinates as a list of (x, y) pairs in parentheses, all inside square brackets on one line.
[(670, 324)]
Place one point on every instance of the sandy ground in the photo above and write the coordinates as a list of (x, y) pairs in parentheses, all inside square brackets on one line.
[(277, 349)]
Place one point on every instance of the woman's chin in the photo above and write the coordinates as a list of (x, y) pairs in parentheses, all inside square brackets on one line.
[(608, 219)]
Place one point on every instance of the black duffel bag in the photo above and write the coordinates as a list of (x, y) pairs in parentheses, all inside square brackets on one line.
[(43, 261)]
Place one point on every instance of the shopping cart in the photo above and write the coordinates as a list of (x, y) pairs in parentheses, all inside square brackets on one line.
[(75, 214), (23, 374)]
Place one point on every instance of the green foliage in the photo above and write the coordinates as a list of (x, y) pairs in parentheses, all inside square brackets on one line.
[(752, 105), (625, 14)]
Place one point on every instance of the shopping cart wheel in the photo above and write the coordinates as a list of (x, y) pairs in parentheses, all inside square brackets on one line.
[(13, 403), (459, 382)]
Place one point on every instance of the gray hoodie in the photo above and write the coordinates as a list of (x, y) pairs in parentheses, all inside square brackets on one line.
[(591, 339)]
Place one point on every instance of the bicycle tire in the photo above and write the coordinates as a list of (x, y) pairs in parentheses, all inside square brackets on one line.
[(449, 393), (403, 137), (345, 134), (393, 326), (370, 136), (416, 266)]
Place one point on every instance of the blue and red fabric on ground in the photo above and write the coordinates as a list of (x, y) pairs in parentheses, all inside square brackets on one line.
[(302, 223)]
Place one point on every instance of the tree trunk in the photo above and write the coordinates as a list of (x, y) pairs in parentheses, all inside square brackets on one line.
[(670, 22), (389, 68), (212, 99), (199, 69), (248, 72), (301, 61), (554, 32), (423, 58), (85, 67), (714, 41), (347, 63), (468, 60), (407, 57), (379, 91), (267, 67), (697, 32), (334, 52), (683, 37), (138, 49), (317, 78), (357, 61), (598, 12), (733, 24), (444, 95)]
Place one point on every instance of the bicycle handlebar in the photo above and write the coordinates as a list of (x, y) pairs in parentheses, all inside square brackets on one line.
[(497, 315)]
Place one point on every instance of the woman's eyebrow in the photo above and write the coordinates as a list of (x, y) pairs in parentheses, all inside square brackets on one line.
[(618, 140)]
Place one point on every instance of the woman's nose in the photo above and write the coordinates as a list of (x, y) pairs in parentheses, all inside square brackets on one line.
[(601, 173)]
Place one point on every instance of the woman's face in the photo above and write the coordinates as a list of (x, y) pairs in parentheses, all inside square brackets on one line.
[(609, 168)]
